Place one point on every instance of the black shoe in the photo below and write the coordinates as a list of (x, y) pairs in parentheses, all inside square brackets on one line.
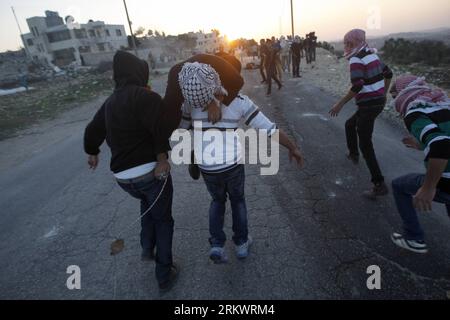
[(280, 87), (264, 81), (194, 171), (378, 190), (166, 286), (148, 255), (354, 158)]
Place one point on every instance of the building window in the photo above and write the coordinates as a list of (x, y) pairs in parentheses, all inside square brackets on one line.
[(80, 33), (118, 32), (58, 36), (92, 33), (37, 31), (107, 33), (101, 46), (98, 33), (30, 42), (84, 49)]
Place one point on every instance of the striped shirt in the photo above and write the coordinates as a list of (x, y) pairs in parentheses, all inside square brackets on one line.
[(429, 123), (241, 108), (367, 74)]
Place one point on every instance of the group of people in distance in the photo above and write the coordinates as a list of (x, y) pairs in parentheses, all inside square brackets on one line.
[(279, 55)]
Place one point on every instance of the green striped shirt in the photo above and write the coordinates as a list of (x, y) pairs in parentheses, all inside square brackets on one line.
[(429, 123)]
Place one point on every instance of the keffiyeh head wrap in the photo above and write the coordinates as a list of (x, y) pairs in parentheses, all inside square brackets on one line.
[(354, 42), (199, 84), (410, 88)]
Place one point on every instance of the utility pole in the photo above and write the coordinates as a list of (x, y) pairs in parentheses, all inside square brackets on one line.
[(133, 41), (292, 19), (20, 29)]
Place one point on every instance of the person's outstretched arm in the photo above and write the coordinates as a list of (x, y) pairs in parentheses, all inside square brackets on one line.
[(94, 136), (256, 119), (294, 151)]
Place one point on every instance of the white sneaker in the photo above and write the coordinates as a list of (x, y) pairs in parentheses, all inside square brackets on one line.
[(217, 254), (411, 245), (242, 250)]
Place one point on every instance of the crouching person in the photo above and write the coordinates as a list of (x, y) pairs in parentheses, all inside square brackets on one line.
[(201, 87), (426, 113), (130, 121)]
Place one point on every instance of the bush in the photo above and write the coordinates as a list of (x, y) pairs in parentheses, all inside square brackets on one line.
[(429, 52)]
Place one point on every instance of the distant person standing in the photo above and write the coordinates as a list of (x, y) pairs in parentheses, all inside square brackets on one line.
[(296, 50), (307, 48), (271, 67), (371, 79), (262, 57), (276, 47), (285, 50), (313, 46)]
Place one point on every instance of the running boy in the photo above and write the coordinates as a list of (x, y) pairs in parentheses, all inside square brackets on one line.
[(371, 79)]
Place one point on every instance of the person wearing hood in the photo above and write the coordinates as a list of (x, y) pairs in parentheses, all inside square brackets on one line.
[(132, 123), (370, 79), (426, 113)]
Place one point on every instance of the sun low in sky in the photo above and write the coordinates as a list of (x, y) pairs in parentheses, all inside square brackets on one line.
[(238, 18)]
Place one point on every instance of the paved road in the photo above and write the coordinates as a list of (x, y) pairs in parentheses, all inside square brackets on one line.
[(314, 235)]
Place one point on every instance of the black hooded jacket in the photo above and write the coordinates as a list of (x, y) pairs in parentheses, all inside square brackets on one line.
[(130, 119)]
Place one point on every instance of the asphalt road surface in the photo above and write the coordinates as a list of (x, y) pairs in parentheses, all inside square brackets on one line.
[(314, 235)]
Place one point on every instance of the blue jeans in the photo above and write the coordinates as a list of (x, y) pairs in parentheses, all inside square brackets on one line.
[(156, 225), (230, 182), (404, 188)]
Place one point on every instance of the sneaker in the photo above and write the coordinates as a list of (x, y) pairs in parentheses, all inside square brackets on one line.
[(217, 255), (411, 245), (378, 190), (354, 158), (173, 276), (242, 250), (148, 254)]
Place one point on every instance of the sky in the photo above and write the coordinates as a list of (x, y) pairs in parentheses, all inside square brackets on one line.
[(237, 18)]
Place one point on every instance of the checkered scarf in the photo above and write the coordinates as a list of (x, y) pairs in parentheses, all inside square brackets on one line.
[(199, 84), (410, 89)]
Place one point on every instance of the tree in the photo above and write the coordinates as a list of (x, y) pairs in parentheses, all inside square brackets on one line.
[(140, 31), (216, 32), (163, 34), (157, 34), (150, 33)]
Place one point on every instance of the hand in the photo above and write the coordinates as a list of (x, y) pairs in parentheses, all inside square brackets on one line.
[(93, 162), (214, 112), (334, 112), (162, 169), (423, 199), (411, 142), (297, 156)]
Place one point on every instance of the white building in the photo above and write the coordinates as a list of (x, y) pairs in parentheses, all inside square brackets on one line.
[(207, 42), (60, 42)]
